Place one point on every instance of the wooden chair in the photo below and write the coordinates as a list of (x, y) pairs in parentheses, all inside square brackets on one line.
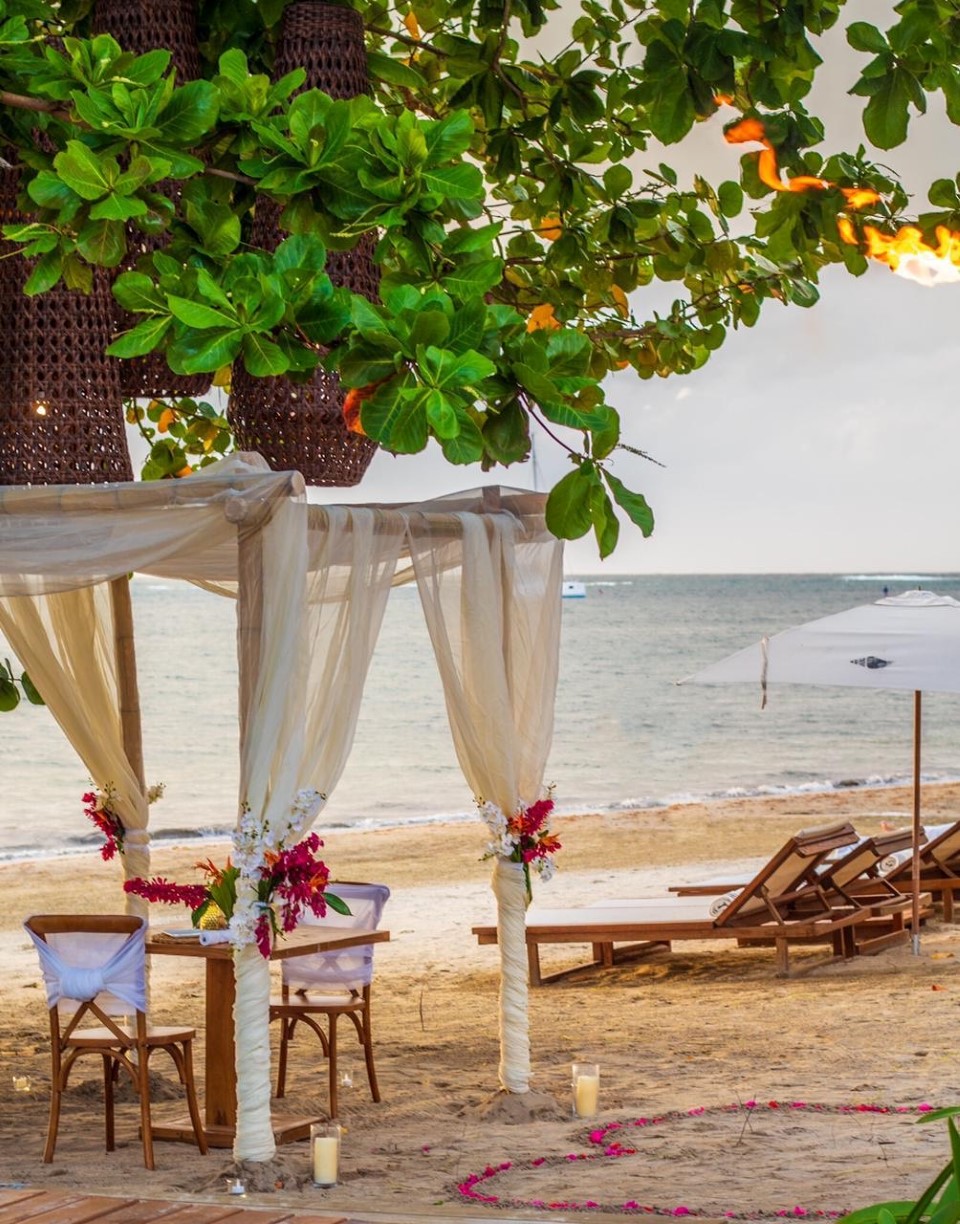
[(783, 905), (94, 970), (318, 990)]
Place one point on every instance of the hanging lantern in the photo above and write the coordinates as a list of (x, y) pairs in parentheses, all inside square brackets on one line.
[(61, 416), (140, 26), (300, 425)]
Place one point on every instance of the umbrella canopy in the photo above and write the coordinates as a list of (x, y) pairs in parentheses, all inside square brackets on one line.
[(909, 642)]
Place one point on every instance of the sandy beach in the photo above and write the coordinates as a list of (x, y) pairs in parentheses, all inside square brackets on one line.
[(707, 1027)]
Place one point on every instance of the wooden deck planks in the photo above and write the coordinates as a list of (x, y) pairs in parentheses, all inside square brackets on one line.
[(35, 1206)]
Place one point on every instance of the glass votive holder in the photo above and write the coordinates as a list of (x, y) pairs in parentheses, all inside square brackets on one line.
[(235, 1186), (585, 1082), (325, 1153), (21, 1083)]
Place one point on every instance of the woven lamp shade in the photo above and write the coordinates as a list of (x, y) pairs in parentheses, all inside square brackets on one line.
[(140, 26), (300, 425), (61, 416)]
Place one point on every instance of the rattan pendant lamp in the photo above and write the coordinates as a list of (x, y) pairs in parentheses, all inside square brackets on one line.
[(300, 425), (61, 415), (141, 26)]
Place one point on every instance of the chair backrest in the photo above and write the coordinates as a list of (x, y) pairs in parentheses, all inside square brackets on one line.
[(792, 868), (349, 968), (93, 962), (943, 849), (865, 858)]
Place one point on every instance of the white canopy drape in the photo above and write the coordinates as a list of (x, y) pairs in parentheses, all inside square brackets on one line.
[(311, 584)]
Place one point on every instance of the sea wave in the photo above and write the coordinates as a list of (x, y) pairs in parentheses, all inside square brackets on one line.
[(84, 844)]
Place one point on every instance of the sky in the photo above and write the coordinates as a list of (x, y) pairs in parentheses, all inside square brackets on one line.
[(823, 440)]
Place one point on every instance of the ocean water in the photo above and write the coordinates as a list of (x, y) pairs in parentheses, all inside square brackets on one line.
[(626, 735)]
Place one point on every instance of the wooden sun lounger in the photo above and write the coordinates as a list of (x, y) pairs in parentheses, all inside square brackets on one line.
[(939, 870), (783, 904)]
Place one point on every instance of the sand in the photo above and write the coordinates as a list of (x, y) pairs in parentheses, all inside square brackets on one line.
[(706, 1027)]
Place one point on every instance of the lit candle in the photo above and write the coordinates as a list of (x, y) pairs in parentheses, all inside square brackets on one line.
[(586, 1091), (326, 1154)]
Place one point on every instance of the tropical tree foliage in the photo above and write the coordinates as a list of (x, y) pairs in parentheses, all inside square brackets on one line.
[(506, 181)]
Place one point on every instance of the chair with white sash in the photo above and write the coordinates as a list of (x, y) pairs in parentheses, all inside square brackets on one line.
[(94, 970)]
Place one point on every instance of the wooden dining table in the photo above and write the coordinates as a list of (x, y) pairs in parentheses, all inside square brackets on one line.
[(220, 1071)]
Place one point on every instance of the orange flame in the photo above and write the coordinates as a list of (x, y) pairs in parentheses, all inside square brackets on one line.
[(750, 130), (906, 252)]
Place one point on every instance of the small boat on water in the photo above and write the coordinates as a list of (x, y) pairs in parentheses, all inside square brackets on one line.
[(574, 590)]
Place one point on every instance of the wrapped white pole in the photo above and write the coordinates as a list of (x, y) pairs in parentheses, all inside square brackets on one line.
[(510, 889), (254, 1138)]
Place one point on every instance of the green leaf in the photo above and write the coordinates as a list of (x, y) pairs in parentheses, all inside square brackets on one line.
[(450, 137), (117, 208), (473, 279), (190, 113), (467, 446), (103, 243), (397, 419), (885, 117), (568, 513), (606, 525), (463, 182), (337, 904), (617, 180), (46, 273), (196, 314), (82, 170), (31, 691), (262, 357), (730, 198), (137, 293), (635, 504), (441, 414), (385, 68), (9, 696), (193, 354), (141, 339), (864, 37)]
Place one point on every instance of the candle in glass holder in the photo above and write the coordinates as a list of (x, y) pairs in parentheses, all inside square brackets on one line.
[(325, 1153), (586, 1089), (21, 1083)]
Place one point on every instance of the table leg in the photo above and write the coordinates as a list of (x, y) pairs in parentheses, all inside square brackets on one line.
[(220, 1090)]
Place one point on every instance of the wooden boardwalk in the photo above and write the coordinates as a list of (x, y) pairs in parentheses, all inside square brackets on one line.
[(33, 1206)]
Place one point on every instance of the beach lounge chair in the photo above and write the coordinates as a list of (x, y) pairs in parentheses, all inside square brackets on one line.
[(329, 985), (939, 870), (94, 971), (784, 904)]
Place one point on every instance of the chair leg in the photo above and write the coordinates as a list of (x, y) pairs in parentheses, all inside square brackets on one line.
[(286, 1032), (109, 1069), (143, 1088), (366, 1037), (56, 1094), (192, 1103), (332, 1062)]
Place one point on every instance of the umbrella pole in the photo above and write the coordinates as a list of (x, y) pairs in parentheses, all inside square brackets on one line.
[(915, 869)]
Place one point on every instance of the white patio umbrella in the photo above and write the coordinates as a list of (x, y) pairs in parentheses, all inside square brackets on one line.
[(909, 641)]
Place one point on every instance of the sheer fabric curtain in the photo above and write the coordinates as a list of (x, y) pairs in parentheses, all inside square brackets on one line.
[(65, 641), (494, 621), (312, 606)]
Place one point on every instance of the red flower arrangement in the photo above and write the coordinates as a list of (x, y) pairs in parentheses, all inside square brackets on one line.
[(98, 810), (290, 882)]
